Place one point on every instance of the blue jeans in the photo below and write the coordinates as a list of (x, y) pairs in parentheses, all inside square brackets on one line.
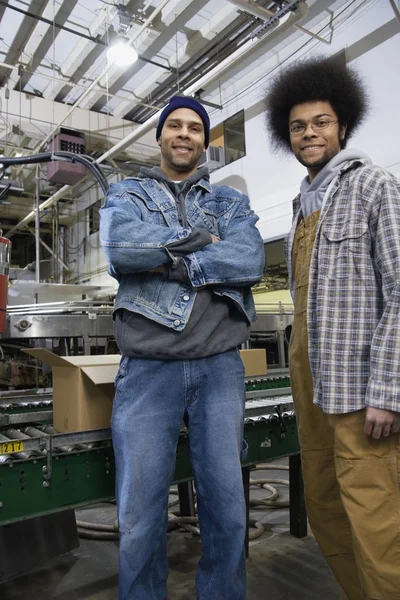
[(152, 398)]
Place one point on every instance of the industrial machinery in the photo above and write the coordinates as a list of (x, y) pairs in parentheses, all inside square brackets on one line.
[(44, 473), (66, 172), (76, 157), (60, 471), (86, 327), (271, 331), (66, 328)]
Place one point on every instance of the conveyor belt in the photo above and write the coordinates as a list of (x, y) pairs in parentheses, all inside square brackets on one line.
[(16, 410), (265, 407), (33, 407), (268, 382), (266, 398), (75, 469), (34, 436)]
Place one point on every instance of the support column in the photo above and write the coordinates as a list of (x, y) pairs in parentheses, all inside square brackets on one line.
[(298, 513)]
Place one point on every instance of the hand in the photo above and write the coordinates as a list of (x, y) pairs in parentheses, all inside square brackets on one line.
[(159, 269), (214, 238), (379, 422)]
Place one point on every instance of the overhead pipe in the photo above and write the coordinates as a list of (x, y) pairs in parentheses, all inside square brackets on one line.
[(299, 13), (58, 79), (265, 14), (253, 9)]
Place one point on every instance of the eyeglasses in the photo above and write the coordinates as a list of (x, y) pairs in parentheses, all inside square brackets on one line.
[(317, 125)]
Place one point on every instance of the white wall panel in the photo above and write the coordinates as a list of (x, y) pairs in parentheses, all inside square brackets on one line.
[(272, 180)]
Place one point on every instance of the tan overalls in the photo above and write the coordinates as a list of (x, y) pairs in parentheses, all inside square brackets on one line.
[(352, 483)]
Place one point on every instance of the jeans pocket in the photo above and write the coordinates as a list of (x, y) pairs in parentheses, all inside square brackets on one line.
[(121, 372), (237, 350)]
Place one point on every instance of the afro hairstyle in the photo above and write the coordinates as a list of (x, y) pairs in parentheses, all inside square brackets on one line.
[(311, 80)]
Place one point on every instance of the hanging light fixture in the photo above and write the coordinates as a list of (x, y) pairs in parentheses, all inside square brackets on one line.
[(121, 53)]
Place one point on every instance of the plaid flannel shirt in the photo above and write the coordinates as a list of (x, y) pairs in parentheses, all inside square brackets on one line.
[(353, 307)]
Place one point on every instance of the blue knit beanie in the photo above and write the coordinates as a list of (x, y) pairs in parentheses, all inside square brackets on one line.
[(185, 102)]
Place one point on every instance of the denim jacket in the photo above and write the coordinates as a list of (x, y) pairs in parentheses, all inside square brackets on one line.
[(139, 220)]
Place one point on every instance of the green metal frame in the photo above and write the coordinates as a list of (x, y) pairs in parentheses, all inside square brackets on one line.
[(86, 477)]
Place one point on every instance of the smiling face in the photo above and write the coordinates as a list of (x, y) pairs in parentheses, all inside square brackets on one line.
[(181, 143), (314, 149)]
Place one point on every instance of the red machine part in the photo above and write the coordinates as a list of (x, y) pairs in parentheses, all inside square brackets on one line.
[(5, 253)]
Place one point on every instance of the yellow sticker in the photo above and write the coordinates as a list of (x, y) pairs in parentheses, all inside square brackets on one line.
[(10, 447)]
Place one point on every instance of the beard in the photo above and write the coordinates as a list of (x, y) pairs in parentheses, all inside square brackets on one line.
[(181, 164), (320, 162)]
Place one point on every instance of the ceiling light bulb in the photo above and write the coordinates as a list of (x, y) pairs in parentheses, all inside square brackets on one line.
[(122, 54)]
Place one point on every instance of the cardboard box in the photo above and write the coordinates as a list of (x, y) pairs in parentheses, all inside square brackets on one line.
[(83, 389), (255, 362), (83, 386)]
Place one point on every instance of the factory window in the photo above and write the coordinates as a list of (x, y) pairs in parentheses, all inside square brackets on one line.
[(227, 143), (234, 142), (94, 217)]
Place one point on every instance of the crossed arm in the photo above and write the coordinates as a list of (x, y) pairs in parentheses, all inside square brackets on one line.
[(132, 245)]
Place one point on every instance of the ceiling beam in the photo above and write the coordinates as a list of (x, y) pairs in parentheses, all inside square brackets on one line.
[(46, 42), (3, 8), (38, 17), (80, 71), (24, 32)]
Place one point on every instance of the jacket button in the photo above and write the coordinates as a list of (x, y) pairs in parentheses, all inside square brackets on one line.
[(186, 297), (177, 322)]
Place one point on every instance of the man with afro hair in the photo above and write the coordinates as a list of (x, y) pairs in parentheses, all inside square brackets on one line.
[(343, 254)]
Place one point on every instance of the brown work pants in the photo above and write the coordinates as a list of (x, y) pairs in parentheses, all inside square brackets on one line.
[(352, 482)]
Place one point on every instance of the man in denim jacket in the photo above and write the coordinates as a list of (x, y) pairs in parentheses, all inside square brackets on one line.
[(185, 254)]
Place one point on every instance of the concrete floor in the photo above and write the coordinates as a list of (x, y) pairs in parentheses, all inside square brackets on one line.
[(280, 567)]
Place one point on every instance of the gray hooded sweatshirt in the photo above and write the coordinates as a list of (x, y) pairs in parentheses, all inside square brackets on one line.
[(312, 194)]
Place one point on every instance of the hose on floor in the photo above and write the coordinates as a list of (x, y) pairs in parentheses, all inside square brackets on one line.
[(273, 500), (99, 531)]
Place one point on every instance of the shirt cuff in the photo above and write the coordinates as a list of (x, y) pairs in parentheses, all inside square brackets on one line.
[(178, 273), (196, 240)]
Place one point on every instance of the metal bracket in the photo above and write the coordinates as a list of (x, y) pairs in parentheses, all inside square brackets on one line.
[(282, 423), (47, 442), (87, 343), (23, 325), (315, 35)]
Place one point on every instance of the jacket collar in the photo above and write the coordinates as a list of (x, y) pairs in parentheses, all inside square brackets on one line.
[(205, 184)]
